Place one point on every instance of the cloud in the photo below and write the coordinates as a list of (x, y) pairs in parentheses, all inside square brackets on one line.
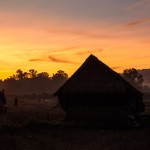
[(89, 52), (81, 32), (137, 22), (68, 48), (37, 59), (57, 60), (140, 7), (138, 3), (54, 59), (142, 1)]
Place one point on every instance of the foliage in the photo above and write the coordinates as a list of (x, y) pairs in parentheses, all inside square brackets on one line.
[(33, 82), (133, 77), (60, 75), (32, 73)]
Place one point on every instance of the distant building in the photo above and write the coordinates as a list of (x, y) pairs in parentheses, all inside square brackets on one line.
[(96, 93)]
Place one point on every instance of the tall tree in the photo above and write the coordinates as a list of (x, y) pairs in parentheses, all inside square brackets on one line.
[(43, 75), (133, 77), (60, 75), (26, 75), (32, 73), (19, 74)]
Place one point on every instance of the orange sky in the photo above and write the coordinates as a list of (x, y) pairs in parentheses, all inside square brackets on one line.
[(49, 35)]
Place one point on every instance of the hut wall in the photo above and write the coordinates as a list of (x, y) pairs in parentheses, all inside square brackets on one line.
[(98, 99), (97, 114)]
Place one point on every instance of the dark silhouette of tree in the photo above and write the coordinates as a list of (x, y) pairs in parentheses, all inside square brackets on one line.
[(32, 73), (58, 79), (133, 77), (20, 74), (60, 75), (43, 75), (13, 77), (33, 82), (26, 75)]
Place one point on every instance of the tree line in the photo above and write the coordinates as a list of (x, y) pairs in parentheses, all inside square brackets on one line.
[(133, 77), (32, 82)]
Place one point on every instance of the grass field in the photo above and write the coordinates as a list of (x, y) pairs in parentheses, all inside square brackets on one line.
[(63, 138), (32, 108), (32, 125), (35, 108)]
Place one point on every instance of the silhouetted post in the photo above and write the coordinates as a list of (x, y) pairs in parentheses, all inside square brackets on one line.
[(3, 97), (3, 107), (47, 115), (16, 102)]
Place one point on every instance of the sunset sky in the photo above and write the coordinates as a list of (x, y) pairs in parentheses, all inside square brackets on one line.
[(49, 35)]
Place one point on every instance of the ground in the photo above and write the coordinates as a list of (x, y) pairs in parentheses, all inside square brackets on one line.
[(32, 108), (34, 125), (73, 139)]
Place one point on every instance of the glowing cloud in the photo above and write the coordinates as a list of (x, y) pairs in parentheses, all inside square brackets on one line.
[(57, 60), (138, 22), (89, 52), (37, 59)]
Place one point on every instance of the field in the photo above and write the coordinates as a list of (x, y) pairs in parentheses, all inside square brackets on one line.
[(72, 138), (34, 125), (32, 109)]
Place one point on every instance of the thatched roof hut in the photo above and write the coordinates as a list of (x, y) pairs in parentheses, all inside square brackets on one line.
[(95, 92)]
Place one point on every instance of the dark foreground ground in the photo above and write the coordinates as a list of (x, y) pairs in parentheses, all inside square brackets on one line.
[(45, 135), (42, 136)]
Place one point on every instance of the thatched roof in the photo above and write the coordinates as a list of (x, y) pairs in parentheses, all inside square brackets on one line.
[(94, 76)]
